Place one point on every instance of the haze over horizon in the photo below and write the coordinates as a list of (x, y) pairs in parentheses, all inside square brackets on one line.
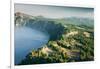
[(54, 11)]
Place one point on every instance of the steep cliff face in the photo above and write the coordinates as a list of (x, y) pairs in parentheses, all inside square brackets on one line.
[(21, 19), (49, 26)]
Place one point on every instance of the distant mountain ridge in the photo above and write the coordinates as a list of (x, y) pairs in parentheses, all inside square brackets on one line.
[(22, 18), (77, 21)]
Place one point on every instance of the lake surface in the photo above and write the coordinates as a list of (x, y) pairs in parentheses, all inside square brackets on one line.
[(27, 39)]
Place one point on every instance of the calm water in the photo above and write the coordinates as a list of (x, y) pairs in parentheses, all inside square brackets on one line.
[(26, 39)]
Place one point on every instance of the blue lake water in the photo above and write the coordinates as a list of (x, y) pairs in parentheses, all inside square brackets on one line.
[(27, 39)]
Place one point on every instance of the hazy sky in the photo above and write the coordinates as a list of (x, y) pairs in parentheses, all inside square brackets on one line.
[(54, 11)]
